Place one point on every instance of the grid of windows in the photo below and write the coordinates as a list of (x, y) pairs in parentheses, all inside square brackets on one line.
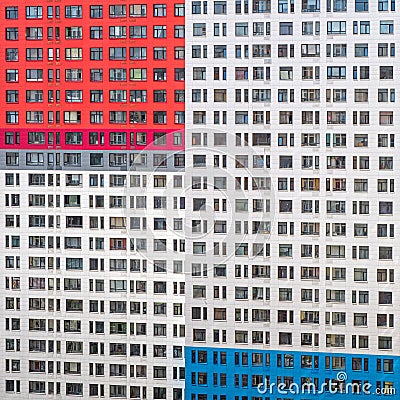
[(45, 48), (284, 231), (74, 162), (299, 92)]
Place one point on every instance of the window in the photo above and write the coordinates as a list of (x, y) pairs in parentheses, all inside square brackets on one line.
[(310, 50), (310, 6), (308, 28), (384, 342), (138, 32), (220, 7), (34, 33), (286, 28), (11, 75), (74, 53), (361, 50), (33, 12), (73, 138), (308, 95), (259, 6), (310, 73), (138, 96), (336, 27), (96, 96), (361, 95), (383, 5), (12, 96), (286, 73), (286, 117), (160, 117), (241, 73), (386, 27), (220, 51), (283, 6), (385, 298), (117, 53), (74, 32), (11, 12), (138, 74), (117, 11), (34, 117), (179, 10), (11, 54), (160, 31), (137, 53), (34, 159), (73, 11), (385, 253), (160, 10), (117, 96), (199, 29), (73, 75), (118, 138), (261, 50), (364, 27), (336, 72), (336, 95), (34, 75), (160, 53), (12, 117), (179, 96), (383, 49), (117, 32), (385, 208), (96, 117), (361, 5), (137, 117), (117, 117), (117, 74), (11, 33), (72, 159), (96, 32), (72, 117), (386, 72), (96, 11), (241, 29), (386, 118), (73, 96), (137, 10)]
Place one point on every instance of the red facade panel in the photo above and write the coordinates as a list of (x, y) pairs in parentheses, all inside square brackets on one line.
[(48, 66)]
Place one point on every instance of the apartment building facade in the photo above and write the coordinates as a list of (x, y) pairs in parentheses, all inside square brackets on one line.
[(92, 137), (199, 198), (300, 96)]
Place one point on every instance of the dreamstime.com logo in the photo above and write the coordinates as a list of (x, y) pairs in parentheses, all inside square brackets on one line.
[(333, 386)]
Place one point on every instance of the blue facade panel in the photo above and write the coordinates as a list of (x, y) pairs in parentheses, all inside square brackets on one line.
[(250, 374)]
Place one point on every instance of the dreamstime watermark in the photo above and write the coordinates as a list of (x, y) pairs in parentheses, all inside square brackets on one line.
[(332, 386)]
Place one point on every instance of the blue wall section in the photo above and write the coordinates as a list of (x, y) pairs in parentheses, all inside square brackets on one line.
[(222, 375)]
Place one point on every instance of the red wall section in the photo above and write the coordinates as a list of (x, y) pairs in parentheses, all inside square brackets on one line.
[(23, 143), (86, 64)]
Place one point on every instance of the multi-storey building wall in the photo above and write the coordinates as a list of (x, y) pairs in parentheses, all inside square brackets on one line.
[(91, 159), (291, 117), (254, 245)]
